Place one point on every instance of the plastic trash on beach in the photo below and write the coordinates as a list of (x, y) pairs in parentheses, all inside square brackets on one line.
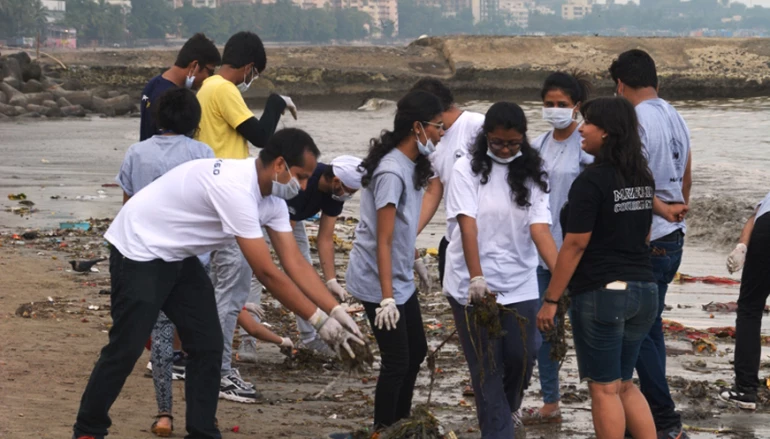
[(17, 197), (81, 225)]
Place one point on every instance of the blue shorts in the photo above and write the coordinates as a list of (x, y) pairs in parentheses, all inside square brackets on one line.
[(608, 327)]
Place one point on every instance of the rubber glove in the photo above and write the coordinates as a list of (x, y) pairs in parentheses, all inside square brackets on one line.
[(737, 258), (387, 314), (286, 343), (422, 273), (340, 314), (333, 333), (337, 289), (290, 106), (477, 289), (255, 309)]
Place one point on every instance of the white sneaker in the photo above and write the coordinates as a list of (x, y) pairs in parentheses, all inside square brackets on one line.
[(518, 425), (233, 388), (319, 347), (247, 352)]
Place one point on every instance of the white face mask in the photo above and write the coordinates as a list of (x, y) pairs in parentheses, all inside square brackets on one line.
[(189, 80), (559, 118), (503, 161), (244, 86), (428, 148), (286, 191)]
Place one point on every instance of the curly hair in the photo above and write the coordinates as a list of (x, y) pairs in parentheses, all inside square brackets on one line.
[(416, 106), (529, 166)]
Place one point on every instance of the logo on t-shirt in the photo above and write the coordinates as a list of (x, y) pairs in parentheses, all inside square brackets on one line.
[(217, 165), (458, 153), (631, 199)]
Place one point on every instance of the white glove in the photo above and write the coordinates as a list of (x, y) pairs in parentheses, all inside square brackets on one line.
[(477, 289), (387, 314), (286, 343), (737, 258), (290, 106), (337, 289), (422, 273), (333, 333), (340, 314), (255, 309)]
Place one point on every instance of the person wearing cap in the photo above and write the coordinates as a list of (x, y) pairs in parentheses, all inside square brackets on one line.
[(330, 186)]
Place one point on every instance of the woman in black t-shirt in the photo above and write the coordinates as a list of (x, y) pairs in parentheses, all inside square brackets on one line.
[(605, 259)]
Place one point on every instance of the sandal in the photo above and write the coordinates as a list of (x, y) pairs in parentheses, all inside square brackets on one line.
[(162, 431), (534, 417)]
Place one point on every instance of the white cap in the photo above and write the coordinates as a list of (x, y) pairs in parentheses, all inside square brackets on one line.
[(346, 169)]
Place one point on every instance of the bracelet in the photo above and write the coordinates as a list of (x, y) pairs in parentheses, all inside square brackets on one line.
[(547, 300)]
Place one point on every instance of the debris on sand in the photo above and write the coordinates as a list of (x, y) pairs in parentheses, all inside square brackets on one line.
[(421, 425), (363, 361), (713, 280)]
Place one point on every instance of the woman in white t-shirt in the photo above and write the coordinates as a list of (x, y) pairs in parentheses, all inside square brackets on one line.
[(499, 199), (564, 160), (380, 275)]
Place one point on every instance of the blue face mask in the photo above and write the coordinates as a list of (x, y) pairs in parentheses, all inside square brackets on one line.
[(503, 161), (428, 148)]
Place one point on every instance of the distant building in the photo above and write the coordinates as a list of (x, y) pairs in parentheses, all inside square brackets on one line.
[(449, 8), (576, 9), (61, 37), (517, 10), (125, 4), (484, 9), (236, 2), (56, 9), (380, 10)]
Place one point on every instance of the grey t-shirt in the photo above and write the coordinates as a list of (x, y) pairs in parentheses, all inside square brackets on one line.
[(763, 207), (146, 161), (666, 141), (392, 183), (563, 160)]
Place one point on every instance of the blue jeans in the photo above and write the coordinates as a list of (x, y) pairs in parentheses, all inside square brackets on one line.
[(651, 364), (608, 328), (504, 383), (549, 369)]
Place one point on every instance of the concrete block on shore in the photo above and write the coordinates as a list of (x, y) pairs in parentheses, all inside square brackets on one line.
[(63, 102), (73, 111), (11, 68), (116, 106), (31, 71), (19, 100), (8, 110), (101, 106), (32, 86), (83, 98), (10, 91), (20, 110), (12, 81), (3, 98), (38, 98), (50, 104), (113, 94)]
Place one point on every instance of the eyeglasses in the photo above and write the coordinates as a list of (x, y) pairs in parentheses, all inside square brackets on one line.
[(439, 125), (498, 145), (209, 70)]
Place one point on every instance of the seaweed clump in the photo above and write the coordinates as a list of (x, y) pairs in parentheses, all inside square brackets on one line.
[(557, 335), (363, 361), (421, 425)]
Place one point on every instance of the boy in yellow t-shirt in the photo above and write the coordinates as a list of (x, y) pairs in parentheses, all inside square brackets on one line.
[(226, 122)]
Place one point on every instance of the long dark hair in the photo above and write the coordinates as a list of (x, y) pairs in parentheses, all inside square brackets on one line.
[(508, 115), (622, 147), (574, 84), (416, 106)]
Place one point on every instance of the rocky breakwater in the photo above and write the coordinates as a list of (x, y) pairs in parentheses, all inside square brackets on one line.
[(31, 90), (477, 67)]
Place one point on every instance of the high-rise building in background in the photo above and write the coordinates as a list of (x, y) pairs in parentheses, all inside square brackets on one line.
[(576, 9), (380, 10)]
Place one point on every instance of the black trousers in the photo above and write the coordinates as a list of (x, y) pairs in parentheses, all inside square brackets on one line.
[(402, 350), (139, 291), (755, 287), (442, 259)]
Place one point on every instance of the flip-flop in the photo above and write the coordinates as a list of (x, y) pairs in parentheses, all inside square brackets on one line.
[(162, 431)]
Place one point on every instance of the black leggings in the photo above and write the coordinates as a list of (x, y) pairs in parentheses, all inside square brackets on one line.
[(402, 350)]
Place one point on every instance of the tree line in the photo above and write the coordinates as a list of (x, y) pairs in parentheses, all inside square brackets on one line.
[(95, 20)]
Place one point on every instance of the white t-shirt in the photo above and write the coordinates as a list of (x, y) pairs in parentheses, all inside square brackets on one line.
[(509, 258), (196, 208), (456, 143)]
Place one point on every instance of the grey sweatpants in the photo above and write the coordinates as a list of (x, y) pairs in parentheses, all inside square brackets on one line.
[(306, 331), (231, 277)]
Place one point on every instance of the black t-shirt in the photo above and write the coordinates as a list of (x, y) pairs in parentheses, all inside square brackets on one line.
[(311, 201), (619, 218), (150, 95)]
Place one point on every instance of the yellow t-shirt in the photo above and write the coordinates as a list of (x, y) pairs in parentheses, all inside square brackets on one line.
[(222, 110)]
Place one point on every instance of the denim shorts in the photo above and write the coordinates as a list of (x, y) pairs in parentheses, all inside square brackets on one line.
[(608, 327)]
